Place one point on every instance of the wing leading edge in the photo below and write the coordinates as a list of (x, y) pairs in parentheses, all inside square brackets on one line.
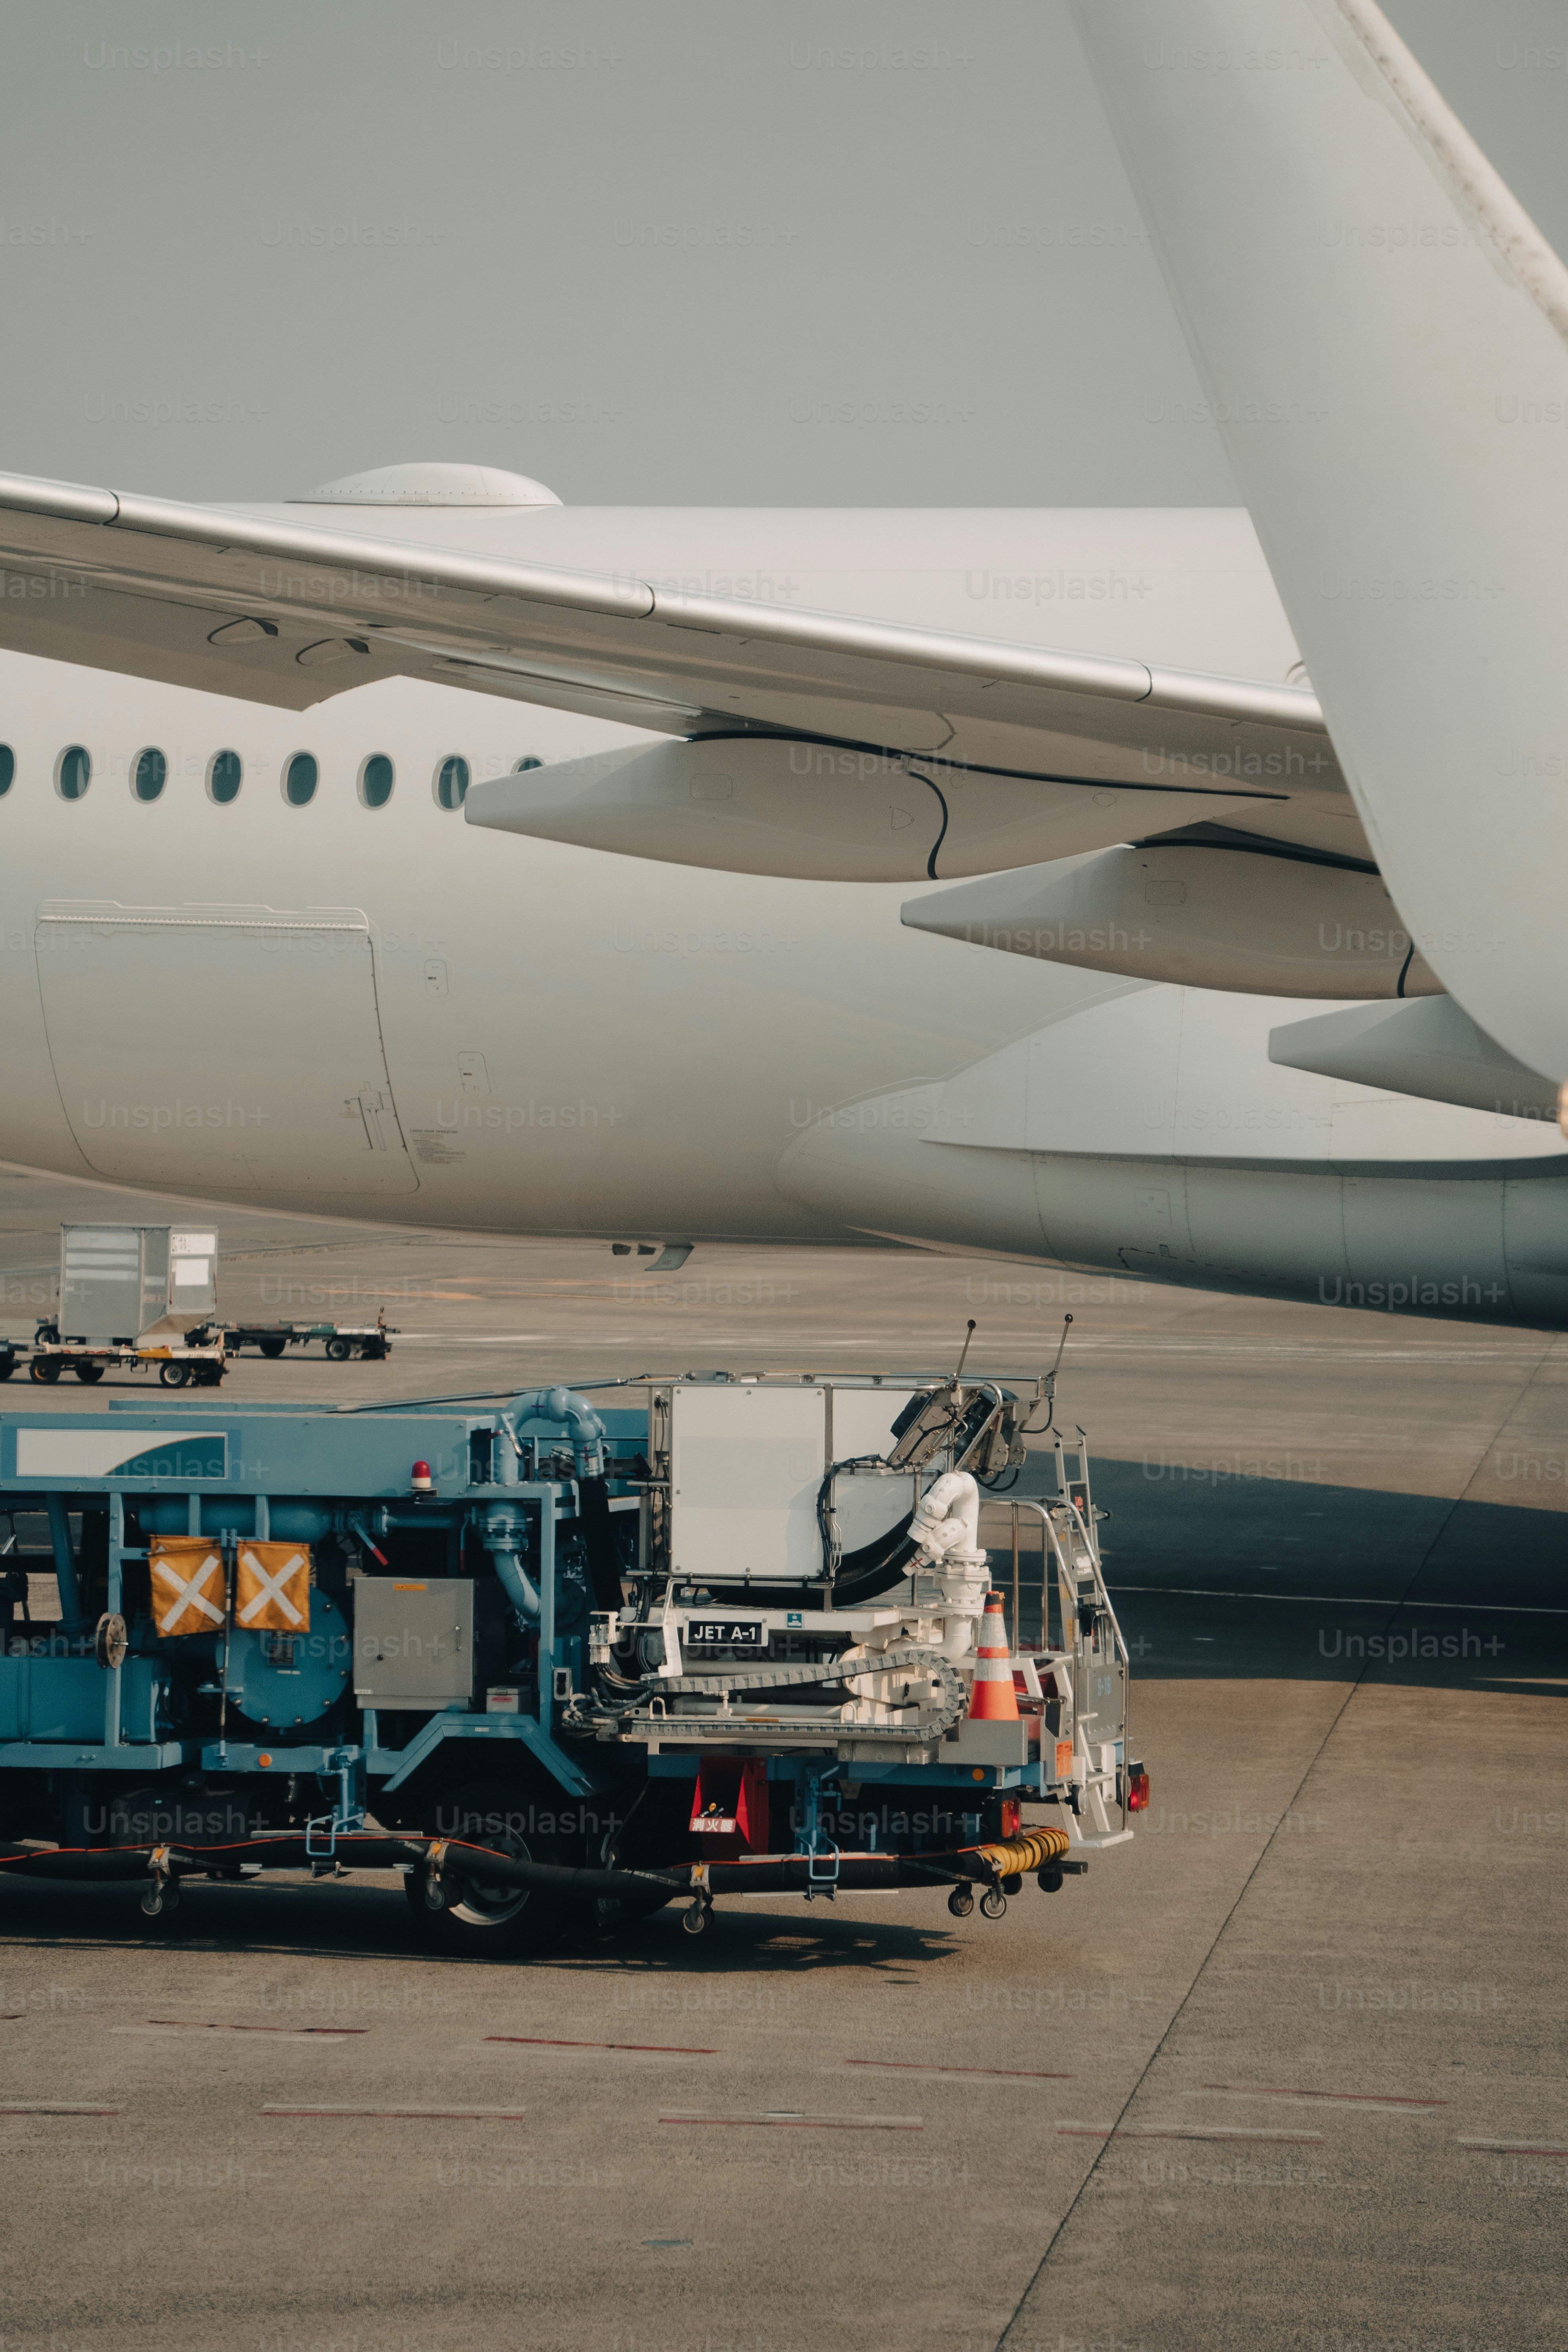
[(290, 613)]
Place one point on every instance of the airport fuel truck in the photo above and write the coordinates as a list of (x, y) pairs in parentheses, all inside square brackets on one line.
[(567, 1657)]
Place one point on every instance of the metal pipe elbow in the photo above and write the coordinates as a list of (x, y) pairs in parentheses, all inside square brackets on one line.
[(572, 1412)]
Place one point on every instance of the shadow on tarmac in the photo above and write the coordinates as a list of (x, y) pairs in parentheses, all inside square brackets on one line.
[(1217, 1573)]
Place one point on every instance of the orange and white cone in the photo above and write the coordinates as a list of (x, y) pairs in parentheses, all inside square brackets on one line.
[(992, 1698)]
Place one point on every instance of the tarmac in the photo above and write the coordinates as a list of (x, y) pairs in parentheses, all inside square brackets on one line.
[(1288, 2071)]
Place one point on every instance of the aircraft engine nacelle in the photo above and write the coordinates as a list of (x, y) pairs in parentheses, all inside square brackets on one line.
[(1198, 917), (823, 811)]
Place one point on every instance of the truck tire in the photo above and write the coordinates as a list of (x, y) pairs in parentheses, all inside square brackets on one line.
[(339, 1350), (273, 1347), (174, 1376), (498, 1922), (44, 1368), (88, 1372), (7, 1366)]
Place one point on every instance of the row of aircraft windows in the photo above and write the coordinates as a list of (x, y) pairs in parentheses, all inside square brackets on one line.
[(226, 774)]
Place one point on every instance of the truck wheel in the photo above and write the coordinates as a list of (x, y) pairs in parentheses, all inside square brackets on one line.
[(174, 1376), (272, 1347), (44, 1368), (88, 1372), (339, 1352), (7, 1366), (497, 1921)]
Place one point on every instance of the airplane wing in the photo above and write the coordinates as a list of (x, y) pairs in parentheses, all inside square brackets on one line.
[(1384, 336), (290, 613)]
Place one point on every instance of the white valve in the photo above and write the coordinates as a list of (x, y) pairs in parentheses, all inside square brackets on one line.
[(946, 1529)]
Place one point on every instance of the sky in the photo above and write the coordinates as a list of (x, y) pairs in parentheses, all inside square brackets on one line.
[(705, 252)]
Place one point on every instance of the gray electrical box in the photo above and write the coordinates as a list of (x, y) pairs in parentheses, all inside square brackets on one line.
[(120, 1281), (414, 1641)]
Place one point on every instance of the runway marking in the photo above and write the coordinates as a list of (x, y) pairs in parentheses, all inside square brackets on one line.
[(1510, 2148), (159, 2025), (1183, 2131), (419, 2116), (794, 2121), (552, 2042), (53, 2107), (930, 2066), (1391, 2103), (1339, 1600)]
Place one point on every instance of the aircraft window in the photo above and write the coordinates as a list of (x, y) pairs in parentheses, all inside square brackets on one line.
[(7, 767), (74, 773), (148, 777), (225, 776), (375, 779), (300, 780), (452, 782), (529, 763)]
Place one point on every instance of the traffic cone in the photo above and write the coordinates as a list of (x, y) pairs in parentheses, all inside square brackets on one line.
[(992, 1699)]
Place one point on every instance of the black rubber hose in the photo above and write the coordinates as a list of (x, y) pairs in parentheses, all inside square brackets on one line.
[(360, 1851), (791, 1874), (599, 1537), (512, 1870), (876, 1568)]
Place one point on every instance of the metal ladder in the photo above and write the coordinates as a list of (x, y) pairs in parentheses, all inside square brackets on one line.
[(1091, 1647)]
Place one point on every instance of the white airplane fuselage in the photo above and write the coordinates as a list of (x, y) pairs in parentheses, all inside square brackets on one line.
[(379, 1012)]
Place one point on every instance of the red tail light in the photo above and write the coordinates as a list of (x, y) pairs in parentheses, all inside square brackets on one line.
[(1137, 1790), (1011, 1813)]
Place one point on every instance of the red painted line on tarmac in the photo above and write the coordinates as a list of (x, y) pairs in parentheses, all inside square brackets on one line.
[(52, 2108), (217, 2025), (931, 2066), (807, 2123), (1140, 2131), (1370, 2099), (553, 2042)]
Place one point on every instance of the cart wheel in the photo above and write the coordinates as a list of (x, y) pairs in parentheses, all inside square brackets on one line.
[(162, 1897), (174, 1376), (339, 1350), (44, 1368), (694, 1918), (960, 1903), (7, 1366), (1048, 1881), (1013, 1883), (994, 1903), (88, 1372), (272, 1347)]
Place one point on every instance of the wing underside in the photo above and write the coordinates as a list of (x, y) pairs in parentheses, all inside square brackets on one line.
[(291, 614)]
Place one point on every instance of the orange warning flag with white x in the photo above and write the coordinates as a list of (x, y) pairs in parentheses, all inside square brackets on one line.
[(272, 1593), (187, 1584)]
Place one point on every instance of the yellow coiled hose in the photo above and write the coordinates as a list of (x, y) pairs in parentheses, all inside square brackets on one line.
[(1029, 1851)]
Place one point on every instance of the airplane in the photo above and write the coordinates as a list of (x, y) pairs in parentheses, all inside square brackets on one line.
[(835, 918), (1383, 334)]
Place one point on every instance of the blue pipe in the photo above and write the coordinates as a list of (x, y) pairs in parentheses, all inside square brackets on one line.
[(575, 1414), (504, 1530)]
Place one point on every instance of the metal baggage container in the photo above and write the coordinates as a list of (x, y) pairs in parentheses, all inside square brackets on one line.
[(118, 1282)]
